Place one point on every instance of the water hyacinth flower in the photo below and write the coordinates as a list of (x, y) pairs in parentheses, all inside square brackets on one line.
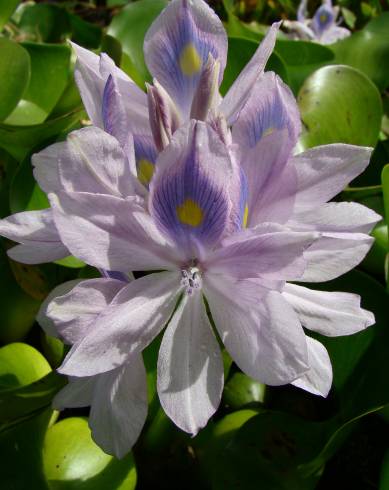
[(322, 28), (225, 225)]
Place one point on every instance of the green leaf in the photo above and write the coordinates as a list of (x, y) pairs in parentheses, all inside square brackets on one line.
[(339, 104), (216, 436), (265, 452), (384, 478), (85, 33), (14, 75), (71, 460), (130, 27), (21, 365), (53, 349), (302, 58), (45, 23), (25, 194), (19, 403), (368, 50), (20, 140), (240, 51), (241, 390), (7, 8), (21, 453), (18, 309), (8, 166), (50, 72)]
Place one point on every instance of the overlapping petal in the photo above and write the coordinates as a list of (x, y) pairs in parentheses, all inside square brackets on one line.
[(264, 338), (189, 197), (110, 232), (119, 407), (265, 134), (239, 92), (74, 312), (92, 73), (133, 319), (318, 379), (273, 255)]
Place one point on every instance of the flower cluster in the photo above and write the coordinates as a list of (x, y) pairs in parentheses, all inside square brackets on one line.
[(323, 27), (205, 194)]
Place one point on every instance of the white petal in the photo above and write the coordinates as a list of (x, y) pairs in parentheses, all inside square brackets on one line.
[(38, 235), (119, 407), (328, 313), (318, 379), (74, 311), (334, 254), (325, 171), (44, 321), (337, 216), (135, 317), (190, 367)]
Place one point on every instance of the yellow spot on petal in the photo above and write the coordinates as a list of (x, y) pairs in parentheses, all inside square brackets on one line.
[(190, 213), (190, 61), (145, 171), (323, 18), (245, 216), (268, 131)]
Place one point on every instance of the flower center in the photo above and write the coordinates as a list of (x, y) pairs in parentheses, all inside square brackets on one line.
[(191, 279)]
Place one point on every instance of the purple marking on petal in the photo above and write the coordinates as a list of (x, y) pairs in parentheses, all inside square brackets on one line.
[(323, 19), (188, 196), (191, 26), (271, 106), (120, 276)]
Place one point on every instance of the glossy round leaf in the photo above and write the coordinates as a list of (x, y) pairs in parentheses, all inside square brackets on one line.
[(71, 460), (14, 75), (339, 104), (20, 365), (368, 50), (130, 27)]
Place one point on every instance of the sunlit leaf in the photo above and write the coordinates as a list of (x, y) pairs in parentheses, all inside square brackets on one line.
[(71, 460), (14, 75), (368, 50), (339, 104)]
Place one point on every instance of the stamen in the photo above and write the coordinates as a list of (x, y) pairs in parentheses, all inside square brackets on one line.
[(191, 279)]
